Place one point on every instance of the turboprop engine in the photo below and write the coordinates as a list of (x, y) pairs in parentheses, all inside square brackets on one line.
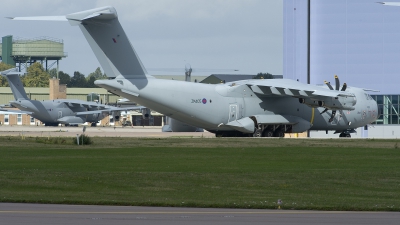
[(310, 102), (338, 103)]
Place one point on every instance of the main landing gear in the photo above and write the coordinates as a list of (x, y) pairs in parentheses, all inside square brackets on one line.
[(261, 131), (271, 130)]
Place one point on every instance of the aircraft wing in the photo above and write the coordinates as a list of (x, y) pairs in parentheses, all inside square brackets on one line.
[(110, 110), (15, 111), (284, 87), (311, 95), (78, 103)]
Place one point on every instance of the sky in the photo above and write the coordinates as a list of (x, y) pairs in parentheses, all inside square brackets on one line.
[(210, 35)]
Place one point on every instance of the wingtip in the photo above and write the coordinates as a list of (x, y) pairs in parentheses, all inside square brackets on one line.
[(8, 17)]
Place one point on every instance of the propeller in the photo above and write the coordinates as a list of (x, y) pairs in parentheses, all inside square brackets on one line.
[(337, 86)]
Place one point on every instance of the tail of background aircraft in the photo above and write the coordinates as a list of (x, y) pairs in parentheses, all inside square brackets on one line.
[(16, 85), (107, 39)]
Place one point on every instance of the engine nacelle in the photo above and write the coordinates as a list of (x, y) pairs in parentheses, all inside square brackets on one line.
[(335, 103), (310, 102), (339, 103)]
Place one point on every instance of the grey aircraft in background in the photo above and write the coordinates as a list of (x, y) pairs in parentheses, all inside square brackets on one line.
[(269, 107), (58, 111)]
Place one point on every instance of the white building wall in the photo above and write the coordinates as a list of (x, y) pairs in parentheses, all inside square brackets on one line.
[(377, 131)]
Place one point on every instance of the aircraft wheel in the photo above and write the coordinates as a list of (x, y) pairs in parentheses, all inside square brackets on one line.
[(348, 136), (268, 133), (257, 133)]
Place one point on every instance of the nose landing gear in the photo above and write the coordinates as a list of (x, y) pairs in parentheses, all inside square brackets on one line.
[(345, 133)]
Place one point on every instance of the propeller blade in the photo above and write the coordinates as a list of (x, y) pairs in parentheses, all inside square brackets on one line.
[(332, 116), (344, 87), (337, 83), (328, 84), (326, 109)]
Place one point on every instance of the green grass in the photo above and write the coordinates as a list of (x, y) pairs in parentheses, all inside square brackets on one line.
[(204, 172)]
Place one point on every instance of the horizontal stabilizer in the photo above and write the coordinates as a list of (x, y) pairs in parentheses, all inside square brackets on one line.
[(110, 110), (42, 18), (15, 111)]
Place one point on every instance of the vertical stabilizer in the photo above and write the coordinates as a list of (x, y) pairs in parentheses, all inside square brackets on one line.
[(16, 86), (108, 41)]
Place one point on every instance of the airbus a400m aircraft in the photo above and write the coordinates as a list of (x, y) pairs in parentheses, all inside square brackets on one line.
[(64, 111), (242, 108)]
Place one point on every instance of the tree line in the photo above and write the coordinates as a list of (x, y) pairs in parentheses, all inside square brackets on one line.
[(263, 76), (36, 76)]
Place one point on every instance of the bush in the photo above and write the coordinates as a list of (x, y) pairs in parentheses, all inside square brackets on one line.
[(83, 138)]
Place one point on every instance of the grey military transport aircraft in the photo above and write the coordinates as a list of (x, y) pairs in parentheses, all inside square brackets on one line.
[(54, 112), (267, 108)]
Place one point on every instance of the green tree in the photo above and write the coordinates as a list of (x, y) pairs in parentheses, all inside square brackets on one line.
[(3, 80), (264, 76), (78, 80), (36, 76), (64, 78), (90, 82), (53, 73), (96, 75)]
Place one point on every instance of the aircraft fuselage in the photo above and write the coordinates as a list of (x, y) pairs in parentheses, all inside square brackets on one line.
[(50, 111), (213, 106)]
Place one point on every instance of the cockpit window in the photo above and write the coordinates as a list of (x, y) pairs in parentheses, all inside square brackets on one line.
[(368, 97)]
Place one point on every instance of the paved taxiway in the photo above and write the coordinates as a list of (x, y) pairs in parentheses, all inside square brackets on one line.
[(42, 131), (35, 214)]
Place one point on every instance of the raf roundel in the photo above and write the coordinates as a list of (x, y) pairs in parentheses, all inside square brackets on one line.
[(204, 101)]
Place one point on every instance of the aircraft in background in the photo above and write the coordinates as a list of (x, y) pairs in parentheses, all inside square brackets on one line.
[(59, 111), (269, 107)]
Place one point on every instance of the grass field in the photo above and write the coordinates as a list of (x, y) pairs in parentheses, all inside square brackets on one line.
[(321, 174)]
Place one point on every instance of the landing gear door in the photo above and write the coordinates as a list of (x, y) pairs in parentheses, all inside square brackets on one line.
[(233, 112)]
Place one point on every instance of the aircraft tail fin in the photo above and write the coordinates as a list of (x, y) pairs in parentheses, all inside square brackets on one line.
[(106, 37), (15, 83), (108, 41)]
